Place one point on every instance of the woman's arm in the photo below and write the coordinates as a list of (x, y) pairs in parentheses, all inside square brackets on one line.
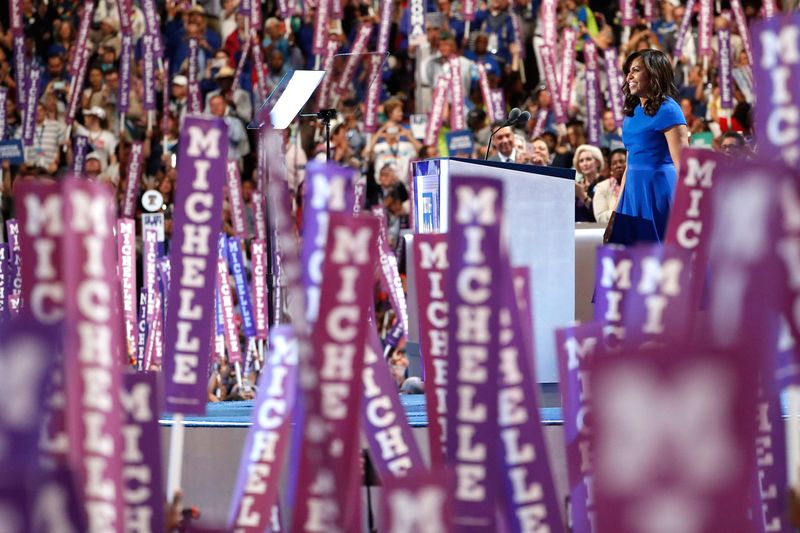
[(601, 204), (677, 138), (621, 189)]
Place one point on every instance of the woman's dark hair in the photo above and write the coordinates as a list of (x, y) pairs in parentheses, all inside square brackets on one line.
[(662, 81)]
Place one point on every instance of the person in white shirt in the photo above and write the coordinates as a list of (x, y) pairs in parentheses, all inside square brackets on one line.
[(607, 191), (100, 139)]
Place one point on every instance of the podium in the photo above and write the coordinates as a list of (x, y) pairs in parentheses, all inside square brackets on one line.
[(539, 213)]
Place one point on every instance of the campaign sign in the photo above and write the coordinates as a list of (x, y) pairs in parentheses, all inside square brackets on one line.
[(144, 498), (331, 482), (430, 268), (258, 481), (198, 215), (776, 70), (673, 440), (473, 249), (459, 143), (92, 336), (11, 151)]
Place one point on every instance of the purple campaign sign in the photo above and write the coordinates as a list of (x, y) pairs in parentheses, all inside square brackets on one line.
[(92, 336), (551, 79), (321, 27), (473, 250), (576, 347), (39, 241), (658, 305), (31, 101), (144, 498), (746, 274), (133, 172), (237, 268), (198, 215), (705, 24), (614, 84), (592, 78), (392, 446), (568, 42), (328, 189), (673, 439), (234, 188), (690, 218), (149, 56), (193, 101), (26, 353), (530, 495), (40, 225), (382, 45), (125, 60), (725, 69), (332, 481), (12, 230), (80, 145), (430, 267), (390, 274), (259, 479), (776, 71), (83, 36), (613, 275), (771, 473), (5, 274), (3, 100), (787, 249), (230, 327), (258, 258), (457, 118), (355, 59), (20, 64)]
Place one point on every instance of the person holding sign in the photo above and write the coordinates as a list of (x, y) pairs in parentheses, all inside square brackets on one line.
[(654, 132)]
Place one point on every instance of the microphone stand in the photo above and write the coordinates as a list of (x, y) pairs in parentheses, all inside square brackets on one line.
[(325, 115)]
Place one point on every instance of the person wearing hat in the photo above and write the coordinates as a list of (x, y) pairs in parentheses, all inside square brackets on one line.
[(100, 139), (178, 96), (239, 103)]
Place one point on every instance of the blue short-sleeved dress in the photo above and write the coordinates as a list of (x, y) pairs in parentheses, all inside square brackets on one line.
[(643, 209)]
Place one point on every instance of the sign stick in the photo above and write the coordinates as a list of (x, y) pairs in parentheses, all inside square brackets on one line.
[(793, 435), (175, 455), (238, 367)]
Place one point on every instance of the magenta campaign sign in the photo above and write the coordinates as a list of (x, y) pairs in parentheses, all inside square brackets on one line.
[(91, 350), (328, 189), (594, 126), (689, 225), (577, 346), (355, 59), (126, 256), (391, 281), (259, 479), (418, 504), (551, 79), (457, 116), (430, 267), (392, 446), (144, 497), (198, 214), (473, 250), (673, 438), (530, 495), (776, 71), (258, 258), (332, 481), (437, 110), (568, 42), (373, 94)]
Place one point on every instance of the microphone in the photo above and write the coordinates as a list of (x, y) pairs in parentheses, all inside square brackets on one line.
[(523, 119), (514, 117)]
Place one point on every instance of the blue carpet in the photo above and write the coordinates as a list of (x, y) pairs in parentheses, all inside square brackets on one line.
[(237, 414)]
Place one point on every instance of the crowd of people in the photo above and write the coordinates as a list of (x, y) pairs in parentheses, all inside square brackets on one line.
[(503, 42)]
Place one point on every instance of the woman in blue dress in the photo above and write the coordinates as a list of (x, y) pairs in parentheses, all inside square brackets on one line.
[(654, 131)]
